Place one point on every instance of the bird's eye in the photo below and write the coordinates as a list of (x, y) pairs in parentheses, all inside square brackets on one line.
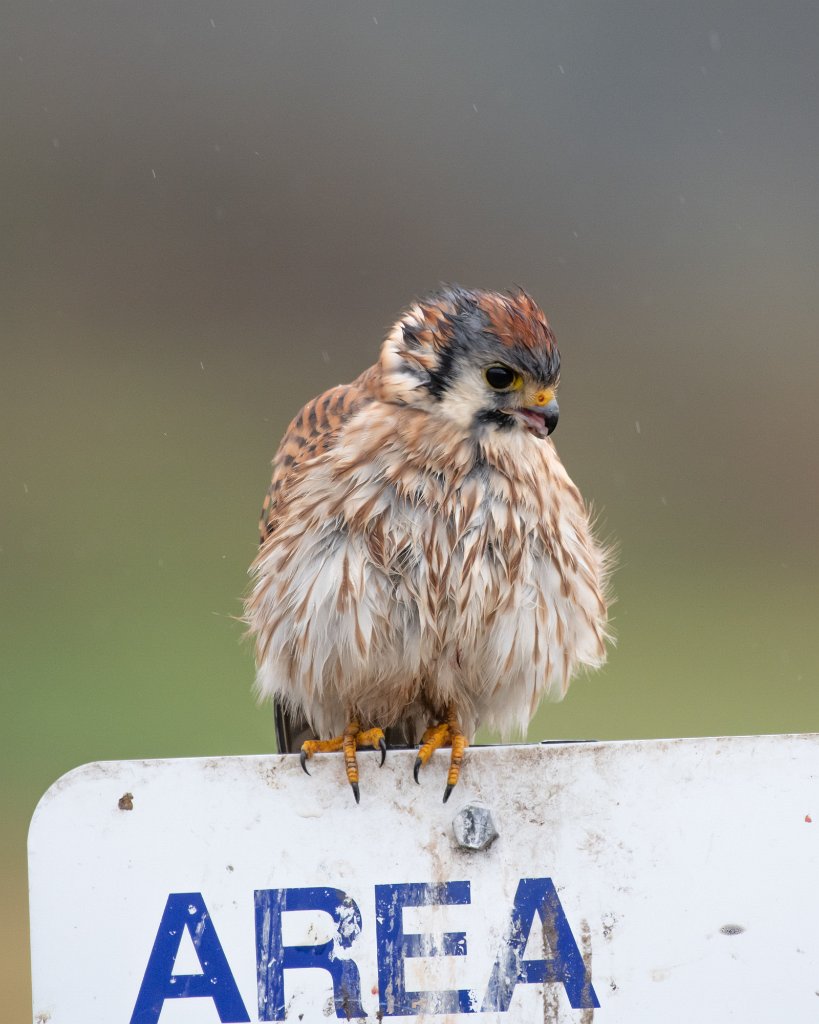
[(501, 378)]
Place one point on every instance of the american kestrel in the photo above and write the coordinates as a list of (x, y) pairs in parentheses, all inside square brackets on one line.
[(425, 560)]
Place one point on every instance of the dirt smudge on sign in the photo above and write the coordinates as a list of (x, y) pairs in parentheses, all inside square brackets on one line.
[(551, 992), (587, 1015), (268, 769), (551, 1004)]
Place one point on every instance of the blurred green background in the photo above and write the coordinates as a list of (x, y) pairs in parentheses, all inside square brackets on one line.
[(211, 211)]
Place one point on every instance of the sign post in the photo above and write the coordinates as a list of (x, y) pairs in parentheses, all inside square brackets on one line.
[(667, 881)]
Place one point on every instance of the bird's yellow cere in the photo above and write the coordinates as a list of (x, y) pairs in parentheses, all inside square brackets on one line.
[(543, 397)]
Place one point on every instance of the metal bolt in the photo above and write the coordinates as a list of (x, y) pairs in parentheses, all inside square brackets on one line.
[(474, 828)]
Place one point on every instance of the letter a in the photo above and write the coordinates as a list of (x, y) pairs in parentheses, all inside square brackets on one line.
[(565, 965), (187, 910)]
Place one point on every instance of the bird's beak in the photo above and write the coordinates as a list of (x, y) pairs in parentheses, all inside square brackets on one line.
[(541, 413)]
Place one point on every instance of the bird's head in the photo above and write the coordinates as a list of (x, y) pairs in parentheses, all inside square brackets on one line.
[(483, 360)]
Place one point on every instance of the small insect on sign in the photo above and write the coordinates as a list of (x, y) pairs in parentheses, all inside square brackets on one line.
[(644, 881)]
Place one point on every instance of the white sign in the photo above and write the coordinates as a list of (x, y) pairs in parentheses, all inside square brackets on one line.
[(671, 881)]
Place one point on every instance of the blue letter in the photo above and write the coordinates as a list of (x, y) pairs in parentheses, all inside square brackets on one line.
[(187, 910), (394, 946), (273, 958), (564, 965)]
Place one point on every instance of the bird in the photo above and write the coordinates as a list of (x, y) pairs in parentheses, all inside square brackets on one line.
[(426, 565)]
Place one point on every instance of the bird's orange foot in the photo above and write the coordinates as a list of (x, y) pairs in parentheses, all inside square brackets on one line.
[(447, 734), (351, 739)]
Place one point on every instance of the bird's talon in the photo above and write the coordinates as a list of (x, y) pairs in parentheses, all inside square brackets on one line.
[(352, 739), (445, 734)]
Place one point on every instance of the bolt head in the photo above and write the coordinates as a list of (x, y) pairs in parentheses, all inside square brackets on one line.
[(474, 828)]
